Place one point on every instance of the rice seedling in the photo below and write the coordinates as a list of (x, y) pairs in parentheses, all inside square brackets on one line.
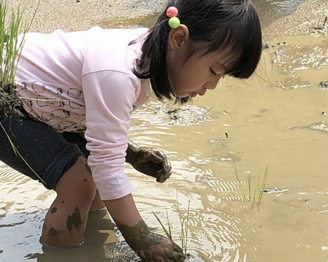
[(259, 187), (12, 35), (261, 190), (167, 231), (184, 221), (11, 45), (184, 227)]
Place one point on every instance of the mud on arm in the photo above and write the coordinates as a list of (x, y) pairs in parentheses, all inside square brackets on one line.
[(149, 161), (148, 245)]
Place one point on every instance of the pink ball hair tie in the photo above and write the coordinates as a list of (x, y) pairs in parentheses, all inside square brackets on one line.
[(172, 12)]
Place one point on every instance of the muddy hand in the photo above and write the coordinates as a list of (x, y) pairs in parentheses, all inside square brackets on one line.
[(149, 246), (161, 249), (149, 161)]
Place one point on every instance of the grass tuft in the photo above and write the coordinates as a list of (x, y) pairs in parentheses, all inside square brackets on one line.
[(184, 227), (10, 50), (167, 232), (10, 45), (12, 36), (259, 187)]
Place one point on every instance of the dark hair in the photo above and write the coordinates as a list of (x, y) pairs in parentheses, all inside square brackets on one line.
[(232, 26)]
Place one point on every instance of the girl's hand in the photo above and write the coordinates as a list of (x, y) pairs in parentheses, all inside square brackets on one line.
[(149, 161), (151, 247), (161, 249)]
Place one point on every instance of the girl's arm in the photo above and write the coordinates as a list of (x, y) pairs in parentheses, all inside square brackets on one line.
[(149, 246), (149, 161)]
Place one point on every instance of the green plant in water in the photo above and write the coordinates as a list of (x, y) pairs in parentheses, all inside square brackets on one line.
[(167, 230), (10, 49), (184, 227), (259, 188)]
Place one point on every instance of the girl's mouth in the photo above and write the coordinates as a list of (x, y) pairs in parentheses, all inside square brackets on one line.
[(193, 94)]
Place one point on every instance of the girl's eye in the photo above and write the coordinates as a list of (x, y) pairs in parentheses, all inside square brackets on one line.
[(212, 72)]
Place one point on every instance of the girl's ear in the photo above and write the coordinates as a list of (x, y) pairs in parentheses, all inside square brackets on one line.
[(178, 37)]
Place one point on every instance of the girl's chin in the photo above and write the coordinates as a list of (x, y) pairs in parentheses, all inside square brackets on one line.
[(192, 94)]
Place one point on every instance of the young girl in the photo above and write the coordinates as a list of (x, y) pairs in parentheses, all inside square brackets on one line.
[(79, 89)]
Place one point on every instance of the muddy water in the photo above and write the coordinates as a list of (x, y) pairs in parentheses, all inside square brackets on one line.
[(278, 118)]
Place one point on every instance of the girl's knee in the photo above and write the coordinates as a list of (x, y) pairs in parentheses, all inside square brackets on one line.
[(88, 190), (66, 219), (77, 183)]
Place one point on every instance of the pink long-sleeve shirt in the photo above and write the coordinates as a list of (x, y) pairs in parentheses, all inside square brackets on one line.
[(83, 82)]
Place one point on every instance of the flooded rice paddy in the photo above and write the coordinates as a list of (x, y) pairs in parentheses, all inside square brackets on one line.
[(278, 118)]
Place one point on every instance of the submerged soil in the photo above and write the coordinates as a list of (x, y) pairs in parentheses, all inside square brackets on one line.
[(278, 118)]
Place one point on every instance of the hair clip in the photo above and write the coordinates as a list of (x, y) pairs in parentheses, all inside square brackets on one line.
[(172, 12)]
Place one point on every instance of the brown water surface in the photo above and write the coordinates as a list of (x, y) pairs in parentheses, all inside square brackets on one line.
[(278, 118)]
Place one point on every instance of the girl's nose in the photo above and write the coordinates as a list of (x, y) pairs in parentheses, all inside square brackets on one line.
[(213, 84)]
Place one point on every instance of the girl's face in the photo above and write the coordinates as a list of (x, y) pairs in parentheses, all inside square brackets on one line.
[(192, 76), (197, 75)]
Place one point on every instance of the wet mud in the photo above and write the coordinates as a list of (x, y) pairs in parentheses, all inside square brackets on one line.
[(278, 118), (74, 220), (9, 103)]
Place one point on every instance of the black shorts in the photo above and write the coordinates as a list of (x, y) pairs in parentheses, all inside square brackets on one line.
[(48, 153)]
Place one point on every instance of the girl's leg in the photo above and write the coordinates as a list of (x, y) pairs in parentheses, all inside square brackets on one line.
[(66, 219), (80, 141), (97, 203), (59, 165)]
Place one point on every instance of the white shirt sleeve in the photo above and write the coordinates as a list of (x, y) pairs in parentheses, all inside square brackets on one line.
[(109, 96)]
